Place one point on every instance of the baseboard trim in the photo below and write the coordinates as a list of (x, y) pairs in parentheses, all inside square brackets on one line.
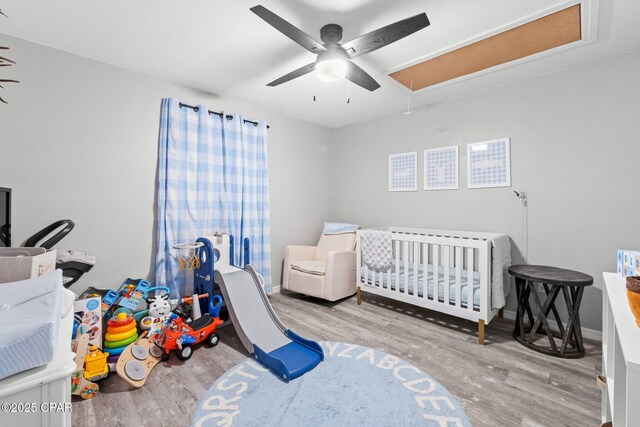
[(591, 334), (275, 289)]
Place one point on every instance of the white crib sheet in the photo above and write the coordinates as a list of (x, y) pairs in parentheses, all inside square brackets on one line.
[(366, 276)]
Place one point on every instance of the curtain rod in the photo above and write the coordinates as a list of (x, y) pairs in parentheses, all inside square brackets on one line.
[(228, 116)]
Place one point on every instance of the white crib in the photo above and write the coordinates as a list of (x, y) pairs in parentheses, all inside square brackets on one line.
[(439, 270)]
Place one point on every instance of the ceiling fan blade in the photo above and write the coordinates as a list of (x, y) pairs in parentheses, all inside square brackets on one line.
[(295, 34), (294, 74), (385, 35), (360, 77)]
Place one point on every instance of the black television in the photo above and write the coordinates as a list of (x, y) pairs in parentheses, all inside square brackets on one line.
[(5, 217)]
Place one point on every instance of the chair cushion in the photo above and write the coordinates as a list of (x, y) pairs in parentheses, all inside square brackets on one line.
[(317, 267), (334, 242)]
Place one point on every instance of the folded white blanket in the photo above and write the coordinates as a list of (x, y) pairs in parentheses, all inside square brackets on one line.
[(500, 278), (30, 312), (376, 249)]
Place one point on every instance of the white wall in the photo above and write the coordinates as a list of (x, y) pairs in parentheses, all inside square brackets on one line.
[(574, 151), (79, 140)]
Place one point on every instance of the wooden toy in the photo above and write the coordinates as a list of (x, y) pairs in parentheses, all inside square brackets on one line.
[(137, 360), (80, 386)]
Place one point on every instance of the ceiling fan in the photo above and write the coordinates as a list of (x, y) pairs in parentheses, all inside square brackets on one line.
[(334, 59)]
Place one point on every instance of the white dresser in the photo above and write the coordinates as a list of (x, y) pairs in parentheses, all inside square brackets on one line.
[(43, 385), (620, 356)]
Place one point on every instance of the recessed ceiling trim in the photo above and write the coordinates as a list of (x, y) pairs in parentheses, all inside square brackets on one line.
[(588, 28)]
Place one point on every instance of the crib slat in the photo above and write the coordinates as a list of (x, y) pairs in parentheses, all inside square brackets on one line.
[(446, 250), (405, 258), (425, 269), (470, 263), (358, 258), (458, 275), (397, 267), (416, 261), (365, 274), (436, 271)]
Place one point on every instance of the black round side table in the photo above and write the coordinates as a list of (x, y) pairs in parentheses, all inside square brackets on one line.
[(553, 280)]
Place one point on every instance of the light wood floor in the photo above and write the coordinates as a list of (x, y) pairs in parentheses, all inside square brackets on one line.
[(499, 384)]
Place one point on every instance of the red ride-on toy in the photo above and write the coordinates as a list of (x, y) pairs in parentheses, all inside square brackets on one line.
[(180, 335)]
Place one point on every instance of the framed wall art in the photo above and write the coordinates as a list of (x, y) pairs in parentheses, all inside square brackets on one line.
[(403, 171), (441, 168), (489, 164)]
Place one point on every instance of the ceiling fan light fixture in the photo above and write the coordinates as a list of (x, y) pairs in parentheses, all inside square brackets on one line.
[(333, 60), (331, 69)]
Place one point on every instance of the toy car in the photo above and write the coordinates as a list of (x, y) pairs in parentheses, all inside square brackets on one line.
[(95, 365), (181, 335)]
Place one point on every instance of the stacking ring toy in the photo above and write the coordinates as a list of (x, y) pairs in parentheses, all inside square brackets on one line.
[(115, 337), (115, 351), (120, 329), (121, 343), (121, 319)]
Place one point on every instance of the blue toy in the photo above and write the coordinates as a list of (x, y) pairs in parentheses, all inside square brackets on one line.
[(272, 344)]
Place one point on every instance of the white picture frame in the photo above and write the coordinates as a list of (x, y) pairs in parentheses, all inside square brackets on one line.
[(441, 168), (489, 164), (403, 171)]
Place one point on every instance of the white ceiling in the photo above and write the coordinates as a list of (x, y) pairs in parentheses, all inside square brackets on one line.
[(223, 48)]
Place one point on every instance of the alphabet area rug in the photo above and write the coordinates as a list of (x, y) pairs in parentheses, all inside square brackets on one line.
[(353, 386)]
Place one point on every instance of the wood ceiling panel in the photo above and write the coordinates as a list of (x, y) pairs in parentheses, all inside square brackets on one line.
[(545, 33)]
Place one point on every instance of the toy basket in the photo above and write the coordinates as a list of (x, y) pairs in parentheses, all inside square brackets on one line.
[(188, 255), (633, 295)]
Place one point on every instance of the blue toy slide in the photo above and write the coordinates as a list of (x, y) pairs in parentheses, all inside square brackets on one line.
[(264, 336)]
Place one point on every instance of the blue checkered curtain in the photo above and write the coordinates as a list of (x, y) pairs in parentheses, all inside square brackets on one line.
[(212, 176)]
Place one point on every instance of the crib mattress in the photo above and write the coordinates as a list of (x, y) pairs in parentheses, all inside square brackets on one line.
[(29, 318), (366, 274)]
